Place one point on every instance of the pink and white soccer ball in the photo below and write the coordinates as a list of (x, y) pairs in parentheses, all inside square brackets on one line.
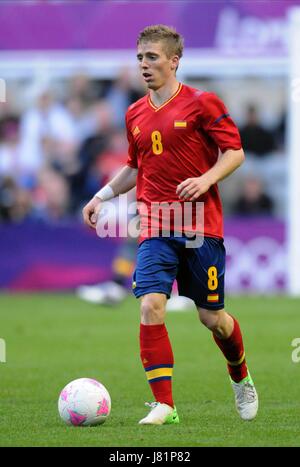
[(84, 402)]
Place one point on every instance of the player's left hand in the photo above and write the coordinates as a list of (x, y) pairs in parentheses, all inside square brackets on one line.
[(192, 188)]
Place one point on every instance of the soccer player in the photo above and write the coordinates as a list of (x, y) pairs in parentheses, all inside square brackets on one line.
[(182, 141), (113, 292)]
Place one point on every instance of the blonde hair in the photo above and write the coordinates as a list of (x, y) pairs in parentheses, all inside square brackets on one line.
[(159, 32)]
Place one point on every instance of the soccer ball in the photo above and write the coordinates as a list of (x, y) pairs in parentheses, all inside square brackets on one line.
[(84, 402)]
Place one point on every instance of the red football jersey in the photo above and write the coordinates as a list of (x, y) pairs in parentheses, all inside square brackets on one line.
[(178, 140)]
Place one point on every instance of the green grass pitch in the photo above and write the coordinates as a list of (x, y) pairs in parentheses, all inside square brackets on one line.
[(53, 339)]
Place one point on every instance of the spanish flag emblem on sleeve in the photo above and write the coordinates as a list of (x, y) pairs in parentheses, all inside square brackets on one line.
[(213, 297), (180, 124)]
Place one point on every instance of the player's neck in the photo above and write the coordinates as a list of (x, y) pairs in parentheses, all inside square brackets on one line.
[(161, 95)]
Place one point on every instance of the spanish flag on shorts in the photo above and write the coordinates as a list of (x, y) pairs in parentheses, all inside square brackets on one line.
[(213, 297)]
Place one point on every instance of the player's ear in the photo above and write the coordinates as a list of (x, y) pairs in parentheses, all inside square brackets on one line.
[(174, 62)]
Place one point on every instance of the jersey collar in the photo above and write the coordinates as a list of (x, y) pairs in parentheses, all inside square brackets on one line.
[(154, 107)]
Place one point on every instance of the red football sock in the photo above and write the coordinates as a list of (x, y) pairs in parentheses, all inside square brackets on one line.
[(157, 359), (233, 350)]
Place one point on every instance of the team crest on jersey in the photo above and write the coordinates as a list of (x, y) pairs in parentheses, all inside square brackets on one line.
[(180, 124), (136, 131)]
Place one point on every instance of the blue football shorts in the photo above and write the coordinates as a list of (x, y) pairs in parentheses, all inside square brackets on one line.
[(199, 271)]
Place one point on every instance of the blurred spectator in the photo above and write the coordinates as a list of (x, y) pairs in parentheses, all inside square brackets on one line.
[(15, 202), (253, 201), (48, 135), (52, 196), (121, 94), (280, 132), (9, 148), (83, 119), (83, 94), (7, 108), (114, 156), (255, 138), (87, 179), (81, 87)]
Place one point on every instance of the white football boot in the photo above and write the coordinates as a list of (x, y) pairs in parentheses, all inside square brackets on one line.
[(246, 399), (160, 414)]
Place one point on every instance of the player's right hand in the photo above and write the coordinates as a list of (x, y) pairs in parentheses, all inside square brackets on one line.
[(91, 211)]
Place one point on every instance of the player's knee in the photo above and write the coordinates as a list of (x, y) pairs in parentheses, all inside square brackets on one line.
[(210, 319), (152, 309)]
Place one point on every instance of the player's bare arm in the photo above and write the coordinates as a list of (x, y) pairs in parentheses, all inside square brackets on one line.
[(192, 188), (124, 181)]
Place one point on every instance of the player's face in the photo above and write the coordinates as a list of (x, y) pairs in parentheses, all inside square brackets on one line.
[(155, 66)]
